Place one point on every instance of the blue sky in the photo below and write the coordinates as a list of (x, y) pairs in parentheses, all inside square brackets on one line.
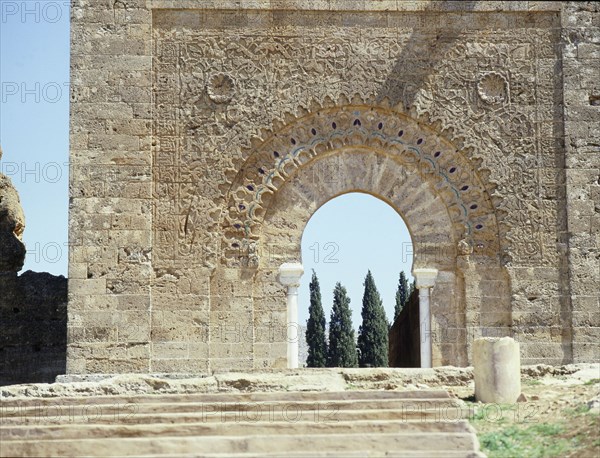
[(358, 231), (34, 123)]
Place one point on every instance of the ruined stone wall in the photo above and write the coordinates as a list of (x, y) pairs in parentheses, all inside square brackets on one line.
[(33, 337), (199, 136), (33, 306)]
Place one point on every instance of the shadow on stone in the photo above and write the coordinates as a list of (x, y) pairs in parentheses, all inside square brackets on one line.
[(33, 341)]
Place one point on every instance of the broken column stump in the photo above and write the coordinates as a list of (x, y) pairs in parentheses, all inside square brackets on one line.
[(497, 369)]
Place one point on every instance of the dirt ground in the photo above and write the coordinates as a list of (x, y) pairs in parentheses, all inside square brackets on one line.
[(558, 417)]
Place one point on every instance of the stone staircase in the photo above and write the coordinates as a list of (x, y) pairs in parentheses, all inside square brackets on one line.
[(415, 424)]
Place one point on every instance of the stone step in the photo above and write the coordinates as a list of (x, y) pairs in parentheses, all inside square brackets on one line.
[(228, 397), (347, 454), (130, 417), (281, 407), (246, 428), (370, 443), (414, 424), (314, 454)]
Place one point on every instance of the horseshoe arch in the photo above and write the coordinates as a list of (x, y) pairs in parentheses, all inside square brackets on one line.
[(359, 148)]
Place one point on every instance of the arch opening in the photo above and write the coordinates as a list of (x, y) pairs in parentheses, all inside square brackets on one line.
[(391, 157), (355, 231), (369, 172), (344, 238)]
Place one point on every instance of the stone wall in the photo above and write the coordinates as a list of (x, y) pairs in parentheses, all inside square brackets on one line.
[(110, 225), (405, 336), (581, 111), (33, 338), (205, 134)]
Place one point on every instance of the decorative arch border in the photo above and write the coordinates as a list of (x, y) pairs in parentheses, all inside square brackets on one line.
[(453, 177), (434, 239)]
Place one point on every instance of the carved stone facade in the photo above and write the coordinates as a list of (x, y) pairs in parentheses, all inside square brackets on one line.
[(204, 135)]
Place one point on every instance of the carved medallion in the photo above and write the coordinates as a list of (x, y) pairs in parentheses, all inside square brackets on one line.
[(221, 88), (493, 88)]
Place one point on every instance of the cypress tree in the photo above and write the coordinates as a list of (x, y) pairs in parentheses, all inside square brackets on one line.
[(413, 286), (342, 347), (402, 294), (315, 327), (373, 332)]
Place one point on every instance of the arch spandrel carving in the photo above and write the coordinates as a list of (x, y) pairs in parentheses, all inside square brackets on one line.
[(301, 197), (409, 150)]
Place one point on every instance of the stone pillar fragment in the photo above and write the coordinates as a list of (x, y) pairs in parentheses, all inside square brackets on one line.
[(497, 368), (289, 276)]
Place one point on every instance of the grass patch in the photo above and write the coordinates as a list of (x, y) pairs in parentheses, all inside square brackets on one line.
[(484, 415), (579, 410), (513, 430), (557, 425), (533, 441)]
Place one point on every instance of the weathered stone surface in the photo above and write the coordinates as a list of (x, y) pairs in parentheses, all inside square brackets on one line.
[(132, 413), (12, 252), (12, 225), (476, 121), (497, 373), (284, 380), (419, 423)]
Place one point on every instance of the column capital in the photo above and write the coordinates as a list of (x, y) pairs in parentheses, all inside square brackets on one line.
[(425, 278), (290, 274)]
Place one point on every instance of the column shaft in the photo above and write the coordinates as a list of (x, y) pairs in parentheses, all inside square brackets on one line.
[(425, 327), (292, 326), (289, 276)]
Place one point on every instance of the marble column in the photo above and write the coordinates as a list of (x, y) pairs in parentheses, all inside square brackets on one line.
[(289, 276), (425, 279)]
